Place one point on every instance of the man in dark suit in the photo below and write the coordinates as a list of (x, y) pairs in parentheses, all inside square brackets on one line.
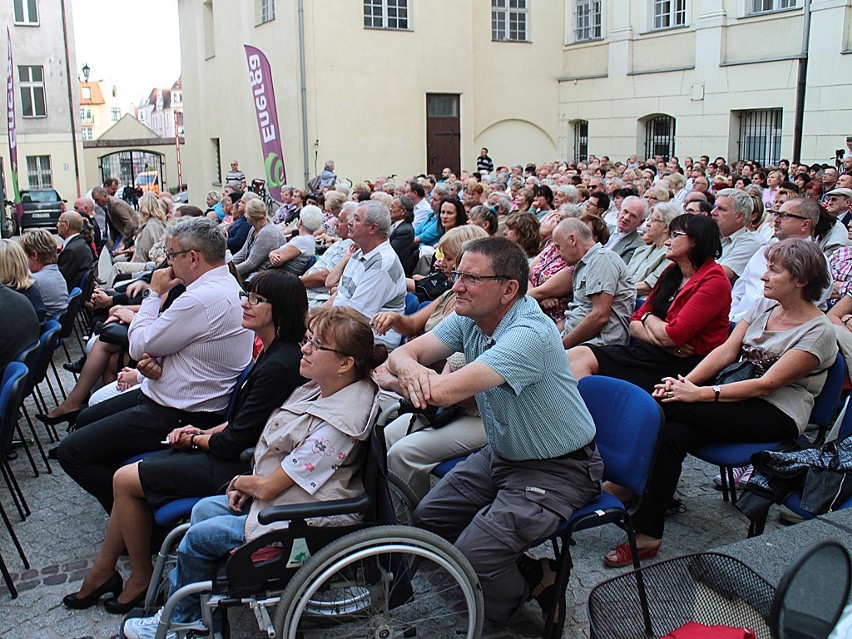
[(75, 256), (402, 230)]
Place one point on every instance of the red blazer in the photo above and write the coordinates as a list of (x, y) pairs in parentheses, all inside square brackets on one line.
[(698, 315)]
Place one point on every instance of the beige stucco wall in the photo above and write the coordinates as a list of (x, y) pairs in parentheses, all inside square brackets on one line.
[(43, 45), (718, 43), (366, 88)]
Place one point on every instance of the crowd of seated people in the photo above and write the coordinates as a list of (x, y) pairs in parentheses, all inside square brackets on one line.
[(704, 243)]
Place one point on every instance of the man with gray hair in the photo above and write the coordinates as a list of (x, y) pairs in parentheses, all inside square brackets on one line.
[(732, 213), (604, 295), (372, 279), (191, 355), (121, 219), (627, 239), (75, 257)]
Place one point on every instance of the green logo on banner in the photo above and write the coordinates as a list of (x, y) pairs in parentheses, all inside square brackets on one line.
[(274, 166)]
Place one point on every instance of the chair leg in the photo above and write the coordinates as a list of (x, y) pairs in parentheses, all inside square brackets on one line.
[(732, 486), (52, 435), (723, 475), (58, 380), (8, 523), (26, 448), (8, 579), (14, 488), (554, 621), (37, 441), (50, 388)]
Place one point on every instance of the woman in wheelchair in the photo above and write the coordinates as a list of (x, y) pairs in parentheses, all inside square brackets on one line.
[(310, 450), (783, 348), (201, 462)]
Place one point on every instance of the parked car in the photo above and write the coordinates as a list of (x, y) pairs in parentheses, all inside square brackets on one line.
[(149, 181), (41, 209)]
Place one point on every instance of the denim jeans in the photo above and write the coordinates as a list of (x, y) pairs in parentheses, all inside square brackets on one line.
[(214, 532)]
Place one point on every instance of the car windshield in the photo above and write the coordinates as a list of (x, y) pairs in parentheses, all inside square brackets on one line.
[(42, 197)]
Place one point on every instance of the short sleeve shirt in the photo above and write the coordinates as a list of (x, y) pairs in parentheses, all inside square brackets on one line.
[(602, 271), (763, 348), (537, 413), (738, 248)]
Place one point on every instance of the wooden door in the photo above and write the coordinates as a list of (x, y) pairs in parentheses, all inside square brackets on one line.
[(443, 133)]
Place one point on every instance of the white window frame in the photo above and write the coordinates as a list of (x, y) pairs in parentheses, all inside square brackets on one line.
[(385, 20), (39, 173), (265, 11), (33, 87), (86, 115), (668, 14), (592, 16), (23, 12), (87, 133), (762, 7), (86, 93), (504, 14), (115, 114)]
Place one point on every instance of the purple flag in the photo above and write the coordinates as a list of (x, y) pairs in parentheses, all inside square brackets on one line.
[(11, 124), (263, 96)]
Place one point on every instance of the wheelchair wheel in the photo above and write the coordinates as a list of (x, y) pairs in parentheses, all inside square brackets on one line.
[(403, 498), (359, 586)]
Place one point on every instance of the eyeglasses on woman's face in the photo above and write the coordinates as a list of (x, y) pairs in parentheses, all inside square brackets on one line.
[(316, 345), (253, 298), (676, 234)]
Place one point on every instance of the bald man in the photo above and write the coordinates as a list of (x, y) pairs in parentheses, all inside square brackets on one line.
[(85, 206), (75, 256)]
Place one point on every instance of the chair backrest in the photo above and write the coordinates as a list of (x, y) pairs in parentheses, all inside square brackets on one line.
[(236, 390), (11, 397), (47, 343), (825, 403), (627, 420), (29, 358), (75, 298)]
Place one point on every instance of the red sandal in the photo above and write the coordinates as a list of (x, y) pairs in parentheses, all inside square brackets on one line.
[(623, 556)]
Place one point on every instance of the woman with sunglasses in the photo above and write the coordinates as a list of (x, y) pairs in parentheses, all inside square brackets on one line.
[(201, 461), (684, 317)]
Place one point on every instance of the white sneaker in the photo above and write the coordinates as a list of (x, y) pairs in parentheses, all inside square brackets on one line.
[(146, 627), (741, 476)]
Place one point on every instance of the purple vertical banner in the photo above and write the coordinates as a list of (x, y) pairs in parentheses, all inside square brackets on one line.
[(263, 97), (13, 136)]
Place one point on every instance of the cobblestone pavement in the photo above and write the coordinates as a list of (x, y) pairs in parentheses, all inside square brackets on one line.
[(64, 532)]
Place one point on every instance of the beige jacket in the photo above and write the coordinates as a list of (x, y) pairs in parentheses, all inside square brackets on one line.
[(351, 410)]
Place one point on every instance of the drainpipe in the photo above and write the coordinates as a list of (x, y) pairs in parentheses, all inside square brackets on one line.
[(303, 77), (801, 84), (74, 112)]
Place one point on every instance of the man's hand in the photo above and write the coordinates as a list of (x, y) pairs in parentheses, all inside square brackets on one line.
[(163, 280), (149, 367), (127, 378), (120, 314), (136, 288), (415, 384), (100, 299)]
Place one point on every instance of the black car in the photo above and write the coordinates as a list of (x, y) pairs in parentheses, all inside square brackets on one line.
[(42, 208)]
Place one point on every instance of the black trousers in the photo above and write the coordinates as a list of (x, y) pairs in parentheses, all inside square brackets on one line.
[(109, 433), (690, 426)]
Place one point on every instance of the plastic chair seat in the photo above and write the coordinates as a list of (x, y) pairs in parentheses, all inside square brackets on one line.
[(604, 509), (447, 465), (175, 511)]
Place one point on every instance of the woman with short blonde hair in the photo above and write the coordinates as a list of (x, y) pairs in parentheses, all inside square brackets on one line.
[(15, 274)]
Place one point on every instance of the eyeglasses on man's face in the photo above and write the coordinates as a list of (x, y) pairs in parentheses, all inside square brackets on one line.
[(783, 216), (171, 255), (253, 298), (469, 279)]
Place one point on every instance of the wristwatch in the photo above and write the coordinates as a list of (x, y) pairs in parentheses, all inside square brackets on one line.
[(150, 292), (192, 443), (718, 391), (645, 316)]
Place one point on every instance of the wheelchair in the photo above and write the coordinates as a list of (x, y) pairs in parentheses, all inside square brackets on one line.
[(373, 580)]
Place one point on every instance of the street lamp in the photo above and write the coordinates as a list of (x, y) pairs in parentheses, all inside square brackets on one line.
[(86, 71)]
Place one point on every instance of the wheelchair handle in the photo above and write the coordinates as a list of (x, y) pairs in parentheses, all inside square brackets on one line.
[(319, 509)]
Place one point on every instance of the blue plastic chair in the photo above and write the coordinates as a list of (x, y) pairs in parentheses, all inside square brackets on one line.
[(411, 303), (48, 342), (29, 358), (11, 397), (728, 456), (628, 421)]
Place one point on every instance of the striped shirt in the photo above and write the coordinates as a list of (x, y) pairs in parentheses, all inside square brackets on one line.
[(537, 413), (199, 341), (374, 282)]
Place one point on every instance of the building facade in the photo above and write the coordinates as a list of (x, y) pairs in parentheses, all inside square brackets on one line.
[(401, 86), (162, 110), (715, 77), (101, 106), (390, 86), (46, 100)]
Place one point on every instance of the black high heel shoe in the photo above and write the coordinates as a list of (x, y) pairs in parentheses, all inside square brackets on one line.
[(70, 417), (113, 585), (115, 607)]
